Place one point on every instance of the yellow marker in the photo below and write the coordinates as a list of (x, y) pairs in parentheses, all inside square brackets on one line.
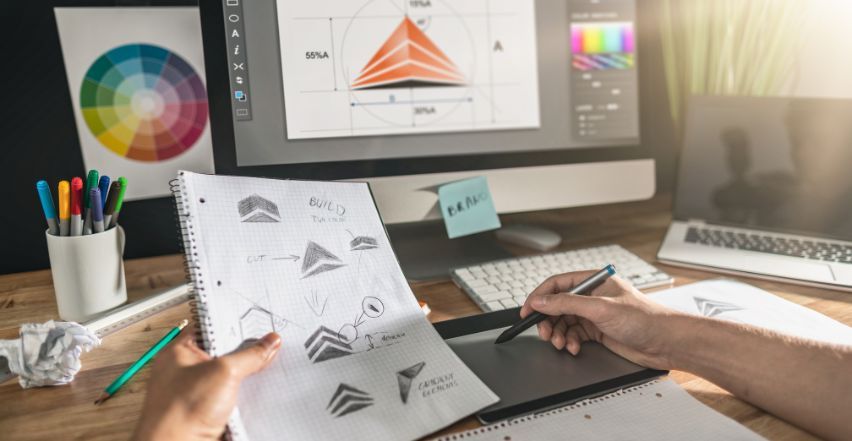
[(64, 208)]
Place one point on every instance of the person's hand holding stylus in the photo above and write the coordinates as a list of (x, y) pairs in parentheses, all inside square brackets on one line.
[(749, 362), (615, 315)]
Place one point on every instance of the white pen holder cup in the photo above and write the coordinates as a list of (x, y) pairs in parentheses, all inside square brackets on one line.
[(88, 273)]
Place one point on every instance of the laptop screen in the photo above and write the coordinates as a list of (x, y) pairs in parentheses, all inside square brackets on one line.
[(780, 164)]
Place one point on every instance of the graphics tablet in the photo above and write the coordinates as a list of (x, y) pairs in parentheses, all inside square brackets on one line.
[(530, 375)]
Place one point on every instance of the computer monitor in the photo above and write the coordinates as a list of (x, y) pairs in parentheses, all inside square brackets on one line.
[(540, 97)]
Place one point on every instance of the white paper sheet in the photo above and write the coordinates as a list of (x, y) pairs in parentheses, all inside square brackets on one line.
[(739, 302), (311, 261), (656, 411)]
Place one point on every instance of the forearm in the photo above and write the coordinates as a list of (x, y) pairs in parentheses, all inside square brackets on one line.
[(803, 382)]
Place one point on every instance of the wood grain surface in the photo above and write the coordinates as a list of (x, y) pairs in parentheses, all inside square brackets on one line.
[(67, 412)]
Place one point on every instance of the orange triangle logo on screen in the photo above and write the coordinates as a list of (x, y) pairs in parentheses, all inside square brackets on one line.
[(408, 59)]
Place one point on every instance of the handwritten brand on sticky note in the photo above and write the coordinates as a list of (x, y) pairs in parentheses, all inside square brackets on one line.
[(467, 207)]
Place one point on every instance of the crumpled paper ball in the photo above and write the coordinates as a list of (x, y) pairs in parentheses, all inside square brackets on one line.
[(47, 354)]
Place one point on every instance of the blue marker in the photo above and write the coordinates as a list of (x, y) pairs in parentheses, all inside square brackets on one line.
[(47, 206), (103, 185), (97, 210)]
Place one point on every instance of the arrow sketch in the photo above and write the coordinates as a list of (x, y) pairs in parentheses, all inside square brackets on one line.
[(292, 257)]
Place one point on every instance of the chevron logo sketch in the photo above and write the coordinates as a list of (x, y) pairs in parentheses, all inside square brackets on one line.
[(406, 377), (713, 308), (324, 344), (256, 322), (257, 209), (318, 260), (348, 399), (363, 243)]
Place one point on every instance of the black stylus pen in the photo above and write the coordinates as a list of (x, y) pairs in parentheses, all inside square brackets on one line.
[(584, 288)]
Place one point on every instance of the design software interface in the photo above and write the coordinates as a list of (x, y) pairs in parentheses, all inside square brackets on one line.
[(418, 78)]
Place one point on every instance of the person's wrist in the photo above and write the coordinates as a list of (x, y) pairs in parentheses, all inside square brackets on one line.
[(166, 423), (677, 334)]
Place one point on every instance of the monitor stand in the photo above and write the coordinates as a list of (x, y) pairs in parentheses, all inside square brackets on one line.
[(426, 253)]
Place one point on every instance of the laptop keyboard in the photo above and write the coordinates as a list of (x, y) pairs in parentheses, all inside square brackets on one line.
[(808, 249)]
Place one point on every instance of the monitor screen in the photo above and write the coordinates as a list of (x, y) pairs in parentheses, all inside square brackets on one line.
[(343, 80), (775, 163)]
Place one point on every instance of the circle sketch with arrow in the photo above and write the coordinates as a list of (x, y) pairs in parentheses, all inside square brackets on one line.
[(371, 307)]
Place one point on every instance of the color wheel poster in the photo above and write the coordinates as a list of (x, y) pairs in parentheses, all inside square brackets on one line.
[(136, 78), (378, 67)]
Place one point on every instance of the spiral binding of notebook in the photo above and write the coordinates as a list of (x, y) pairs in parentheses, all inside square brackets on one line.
[(192, 267)]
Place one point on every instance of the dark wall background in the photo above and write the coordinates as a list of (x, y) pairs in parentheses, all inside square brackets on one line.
[(38, 135)]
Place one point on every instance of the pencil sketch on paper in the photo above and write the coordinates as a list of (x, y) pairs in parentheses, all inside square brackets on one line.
[(316, 303), (258, 321), (348, 399), (371, 307), (258, 209), (324, 344), (361, 243), (713, 308), (382, 339), (405, 378), (318, 260)]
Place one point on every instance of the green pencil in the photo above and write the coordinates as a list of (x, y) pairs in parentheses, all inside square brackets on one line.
[(145, 358)]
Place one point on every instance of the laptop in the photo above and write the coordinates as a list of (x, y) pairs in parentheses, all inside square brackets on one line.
[(764, 189)]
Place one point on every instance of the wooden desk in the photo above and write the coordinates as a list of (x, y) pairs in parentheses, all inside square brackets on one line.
[(67, 412)]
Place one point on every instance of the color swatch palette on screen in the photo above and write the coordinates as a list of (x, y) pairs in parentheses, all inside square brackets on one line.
[(602, 38), (603, 62), (144, 102)]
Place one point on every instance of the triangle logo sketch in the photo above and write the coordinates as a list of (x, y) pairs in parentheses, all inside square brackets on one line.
[(408, 58), (318, 260), (324, 344), (348, 399), (713, 308), (406, 377), (257, 209)]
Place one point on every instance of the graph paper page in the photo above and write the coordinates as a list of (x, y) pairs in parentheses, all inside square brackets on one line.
[(312, 262)]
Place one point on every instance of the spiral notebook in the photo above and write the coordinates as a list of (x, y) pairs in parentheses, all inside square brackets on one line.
[(655, 411), (312, 262)]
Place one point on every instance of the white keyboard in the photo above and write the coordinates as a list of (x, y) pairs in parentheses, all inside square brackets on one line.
[(506, 283)]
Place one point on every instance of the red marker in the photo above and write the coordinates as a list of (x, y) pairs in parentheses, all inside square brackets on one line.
[(76, 206)]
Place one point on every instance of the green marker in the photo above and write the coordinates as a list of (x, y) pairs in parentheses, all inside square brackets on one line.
[(135, 367), (114, 219), (91, 182), (92, 179)]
